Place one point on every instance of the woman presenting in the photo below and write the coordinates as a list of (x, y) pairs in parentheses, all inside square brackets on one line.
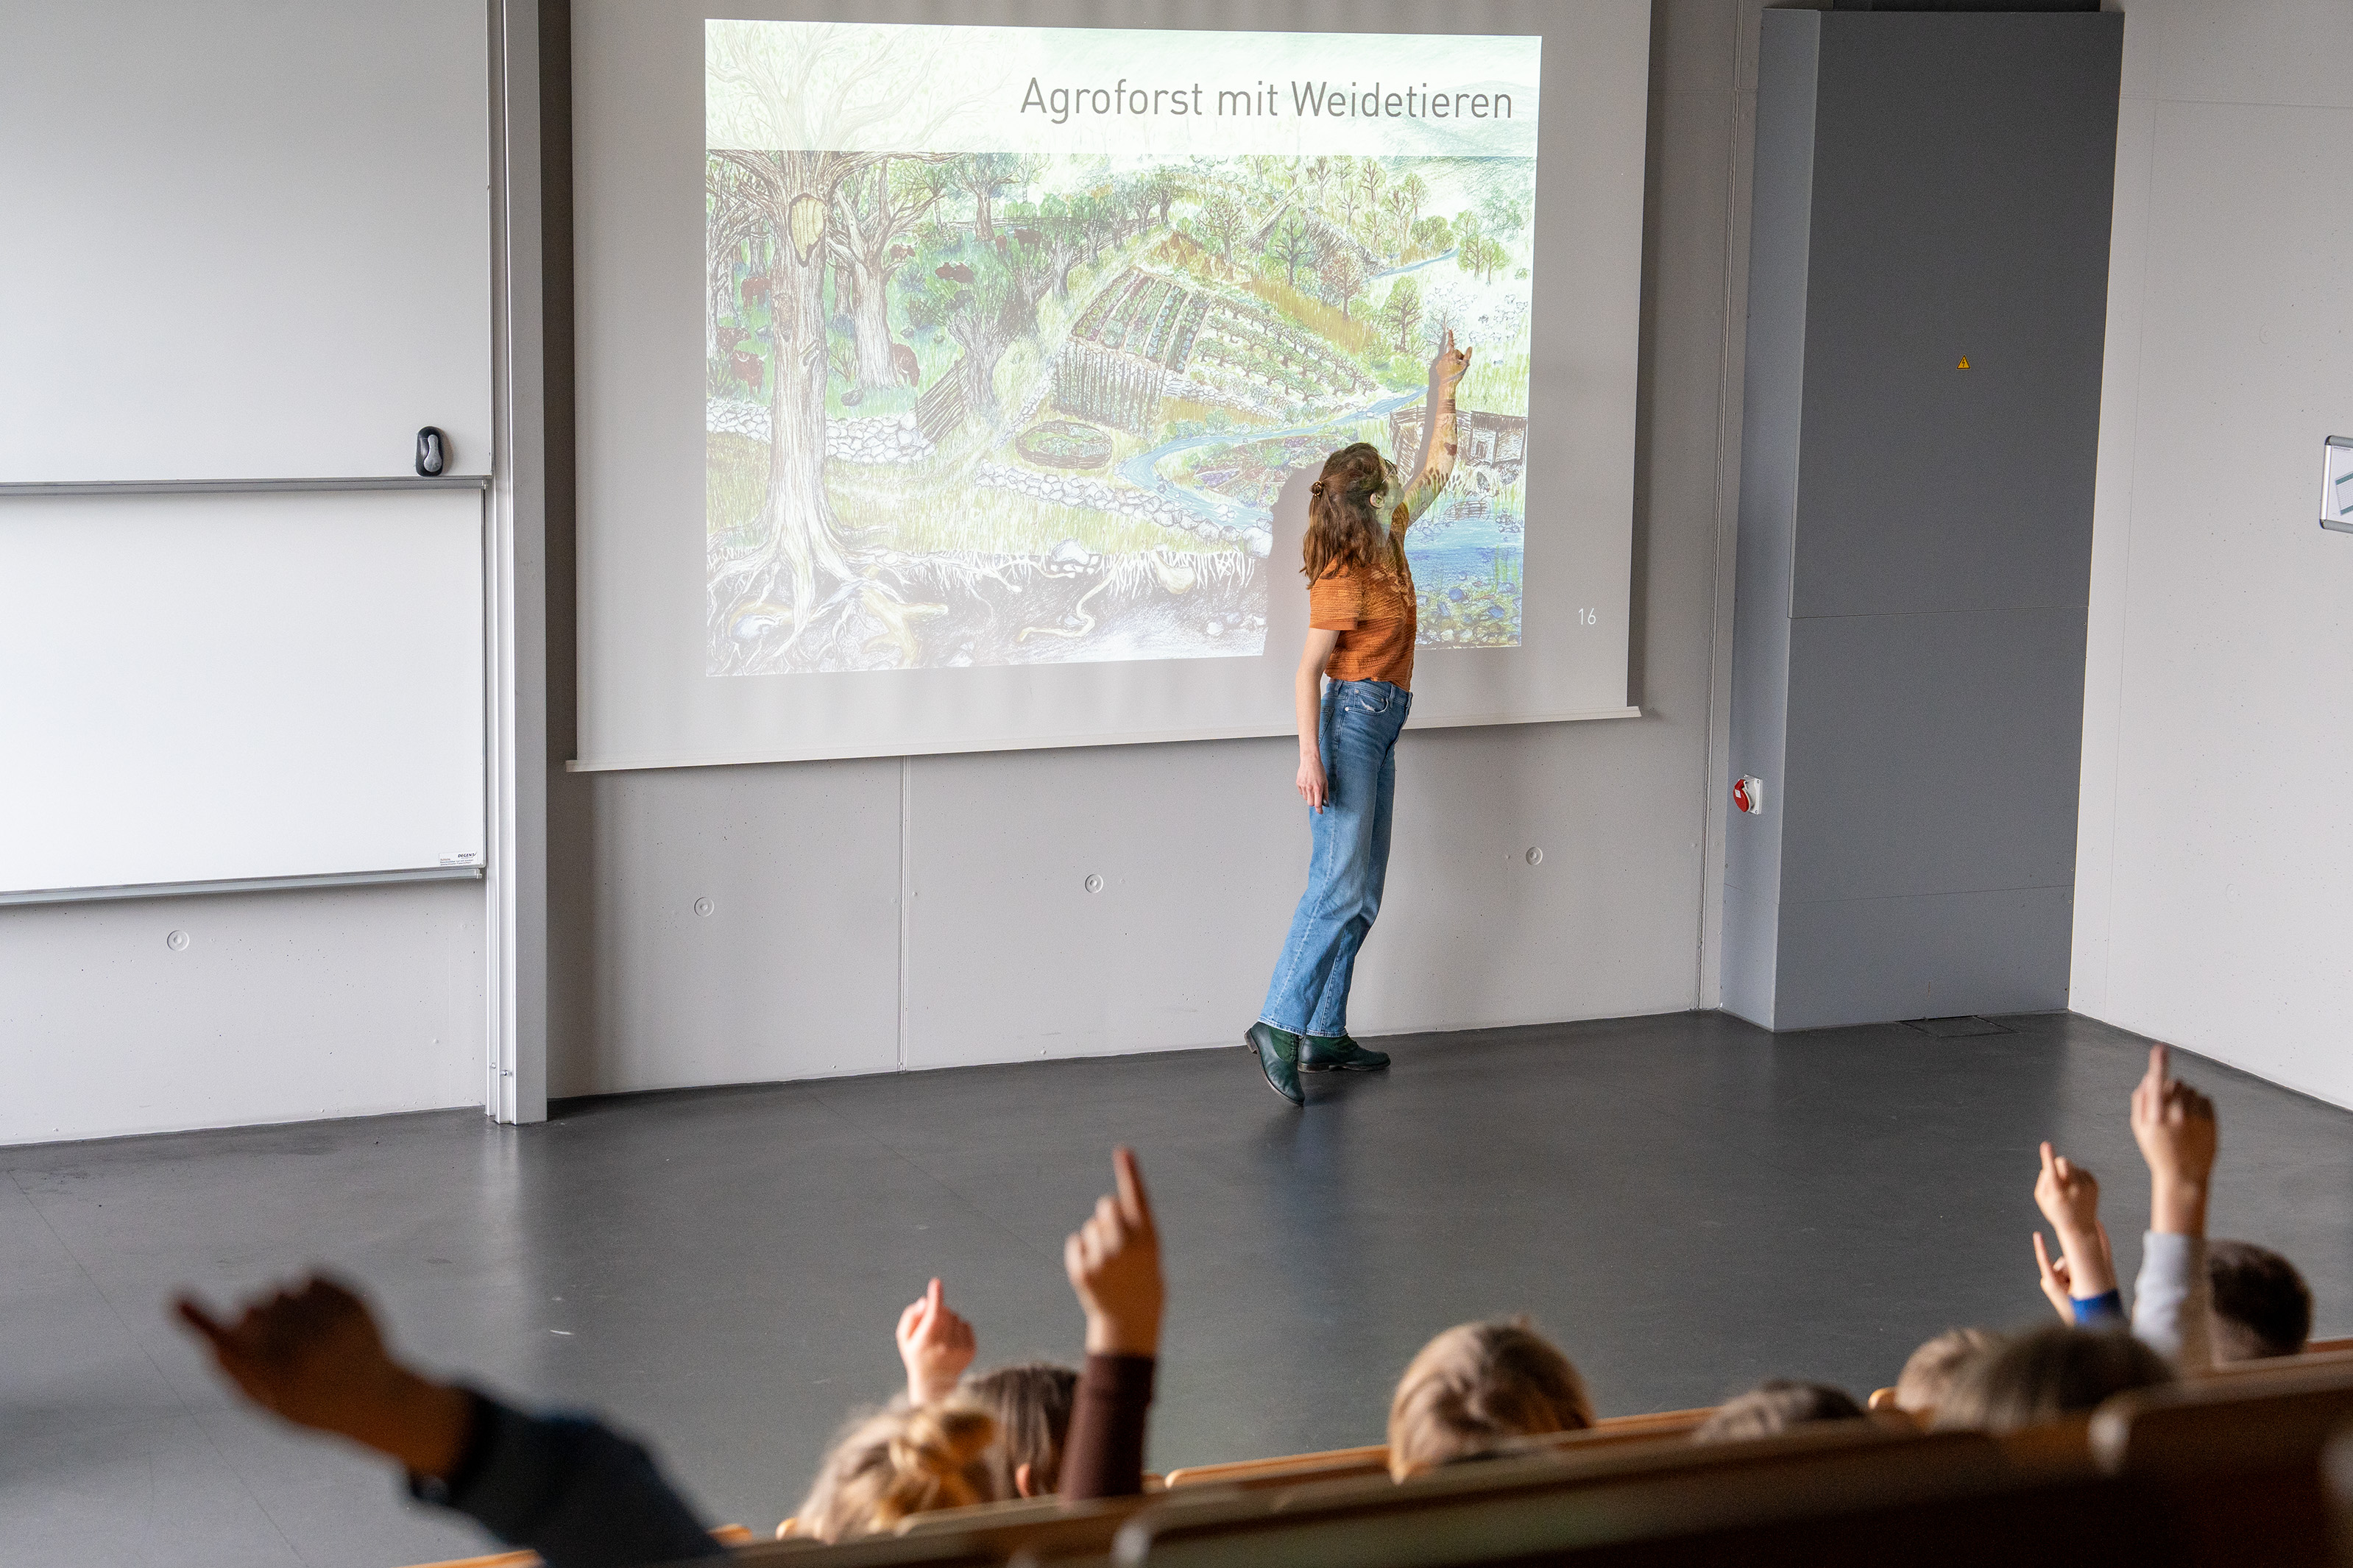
[(1361, 626)]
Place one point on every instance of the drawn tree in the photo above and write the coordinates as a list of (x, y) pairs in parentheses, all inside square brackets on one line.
[(835, 87), (1291, 244), (1222, 225), (985, 176), (1343, 277), (1142, 201), (1467, 228), (1500, 214), (1415, 191), (1062, 223), (735, 224), (1371, 180), (875, 209), (1403, 310), (985, 299), (1164, 185)]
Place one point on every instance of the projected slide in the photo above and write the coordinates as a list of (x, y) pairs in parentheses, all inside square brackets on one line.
[(1014, 336)]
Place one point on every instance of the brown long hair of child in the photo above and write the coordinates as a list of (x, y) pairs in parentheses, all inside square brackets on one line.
[(1341, 530)]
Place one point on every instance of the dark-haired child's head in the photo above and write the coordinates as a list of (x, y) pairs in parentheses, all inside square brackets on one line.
[(2045, 1375), (1774, 1406), (1476, 1386), (2262, 1305), (1031, 1404)]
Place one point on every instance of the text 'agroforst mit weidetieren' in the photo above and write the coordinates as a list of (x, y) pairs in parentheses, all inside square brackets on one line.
[(1308, 100)]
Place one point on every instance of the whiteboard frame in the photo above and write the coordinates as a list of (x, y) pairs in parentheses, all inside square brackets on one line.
[(242, 486), (243, 885)]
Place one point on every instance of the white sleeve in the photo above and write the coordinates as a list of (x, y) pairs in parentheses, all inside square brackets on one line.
[(2173, 1300)]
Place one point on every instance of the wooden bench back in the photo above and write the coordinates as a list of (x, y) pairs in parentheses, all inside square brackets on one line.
[(1338, 1464), (2234, 1462), (1529, 1496)]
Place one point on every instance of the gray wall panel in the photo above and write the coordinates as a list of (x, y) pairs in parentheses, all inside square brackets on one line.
[(1200, 850), (1861, 961), (1773, 397), (794, 974), (1910, 623), (1932, 754), (1960, 208)]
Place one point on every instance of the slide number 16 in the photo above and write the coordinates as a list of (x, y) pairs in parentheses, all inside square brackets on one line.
[(1588, 618)]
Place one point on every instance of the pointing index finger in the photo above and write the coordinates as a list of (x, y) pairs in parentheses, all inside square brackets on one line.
[(192, 1312), (1133, 1202)]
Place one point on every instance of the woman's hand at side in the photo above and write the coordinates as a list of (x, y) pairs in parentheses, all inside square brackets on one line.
[(1307, 696), (1313, 789)]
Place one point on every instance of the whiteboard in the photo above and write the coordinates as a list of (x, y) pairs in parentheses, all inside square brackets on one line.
[(243, 240), (198, 689)]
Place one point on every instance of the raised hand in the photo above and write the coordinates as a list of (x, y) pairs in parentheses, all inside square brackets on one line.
[(2069, 1197), (1113, 1262), (2059, 1280), (313, 1355), (1451, 365), (2179, 1136), (936, 1345)]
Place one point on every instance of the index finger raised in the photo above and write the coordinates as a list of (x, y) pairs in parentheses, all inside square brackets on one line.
[(1133, 1202), (192, 1312)]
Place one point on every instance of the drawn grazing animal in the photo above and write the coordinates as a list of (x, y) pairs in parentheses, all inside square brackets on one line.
[(902, 253), (746, 367), (954, 271), (754, 289), (904, 367)]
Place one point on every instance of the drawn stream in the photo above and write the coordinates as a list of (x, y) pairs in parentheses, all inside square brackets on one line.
[(1458, 550)]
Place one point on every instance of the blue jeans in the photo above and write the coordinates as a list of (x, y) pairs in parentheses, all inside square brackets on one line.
[(1357, 736)]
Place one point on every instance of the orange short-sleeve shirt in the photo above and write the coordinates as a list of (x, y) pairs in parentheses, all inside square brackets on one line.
[(1372, 608)]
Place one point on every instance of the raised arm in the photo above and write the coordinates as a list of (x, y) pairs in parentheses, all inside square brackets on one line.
[(2173, 1300), (1113, 1262), (1438, 436), (574, 1491)]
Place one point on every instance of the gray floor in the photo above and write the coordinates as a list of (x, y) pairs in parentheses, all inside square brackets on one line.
[(1688, 1203)]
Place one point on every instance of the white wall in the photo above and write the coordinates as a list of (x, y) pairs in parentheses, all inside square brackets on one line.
[(2217, 844), (290, 1005)]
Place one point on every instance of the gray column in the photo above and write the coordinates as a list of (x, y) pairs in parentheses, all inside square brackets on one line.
[(1915, 537)]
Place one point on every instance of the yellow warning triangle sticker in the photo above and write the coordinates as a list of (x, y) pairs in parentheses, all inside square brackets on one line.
[(1964, 362)]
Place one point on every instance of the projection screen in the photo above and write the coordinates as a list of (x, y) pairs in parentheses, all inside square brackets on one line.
[(958, 387)]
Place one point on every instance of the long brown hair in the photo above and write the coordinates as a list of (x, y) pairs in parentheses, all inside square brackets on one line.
[(1031, 1405), (1341, 530)]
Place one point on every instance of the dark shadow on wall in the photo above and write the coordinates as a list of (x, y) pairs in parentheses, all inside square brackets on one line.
[(572, 994)]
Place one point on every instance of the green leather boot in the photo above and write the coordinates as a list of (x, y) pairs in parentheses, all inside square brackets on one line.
[(1278, 1058), (1329, 1053)]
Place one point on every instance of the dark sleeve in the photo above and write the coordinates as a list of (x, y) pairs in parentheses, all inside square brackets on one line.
[(1105, 1454), (570, 1488)]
